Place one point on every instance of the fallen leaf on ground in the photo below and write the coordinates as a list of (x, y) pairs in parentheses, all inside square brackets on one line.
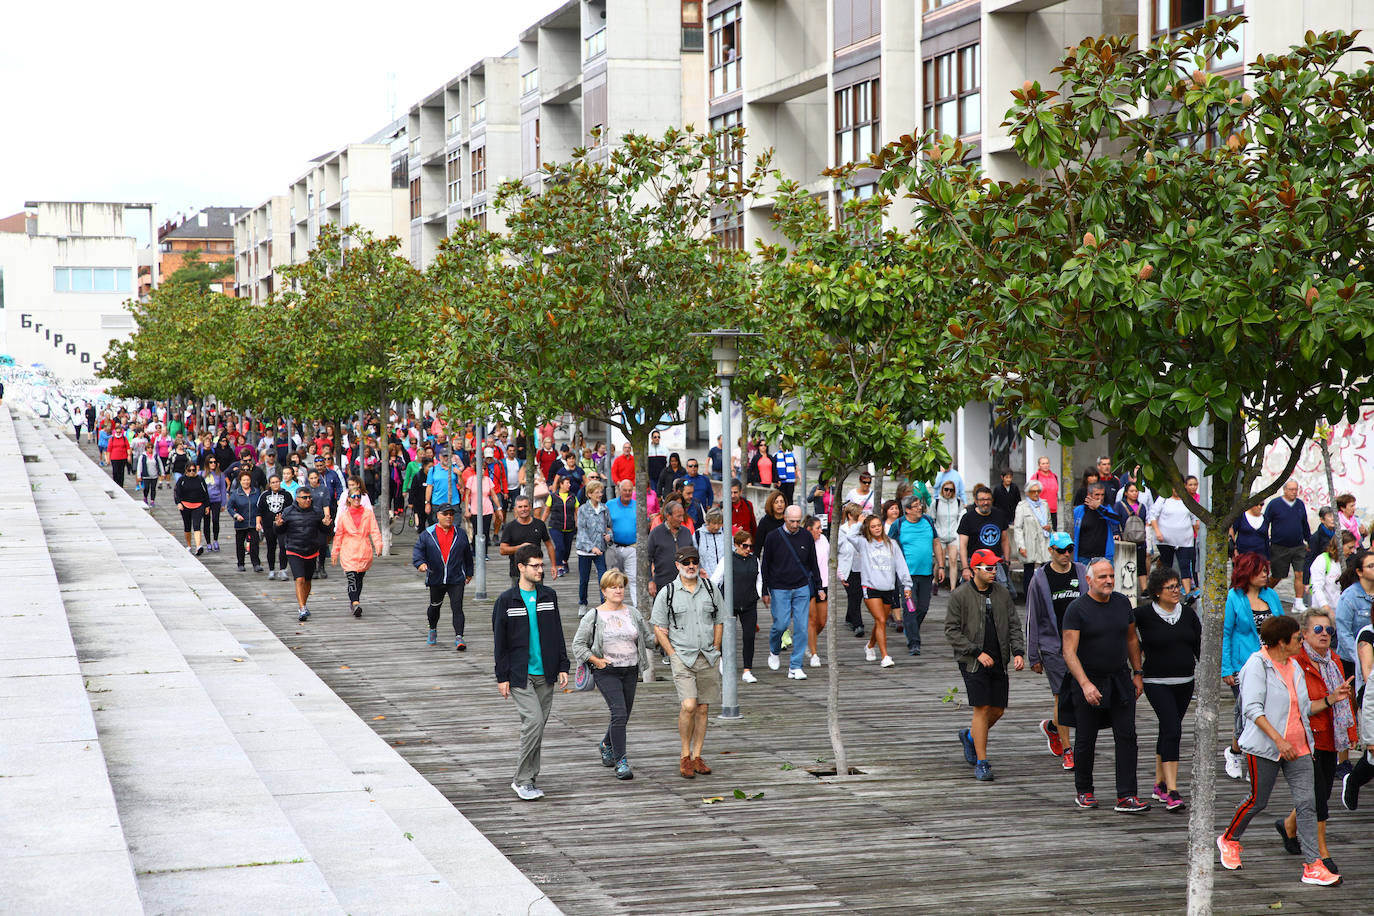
[(713, 799), (378, 718)]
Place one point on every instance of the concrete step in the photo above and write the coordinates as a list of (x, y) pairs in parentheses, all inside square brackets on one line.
[(371, 866), (203, 831), (61, 839), (370, 787)]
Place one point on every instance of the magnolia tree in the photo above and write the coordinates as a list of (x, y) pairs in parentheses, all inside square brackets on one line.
[(856, 315), (1189, 253), (614, 260), (344, 327)]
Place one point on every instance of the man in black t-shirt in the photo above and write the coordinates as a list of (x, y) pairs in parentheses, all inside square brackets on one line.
[(1099, 640), (984, 527), (1052, 588), (524, 528)]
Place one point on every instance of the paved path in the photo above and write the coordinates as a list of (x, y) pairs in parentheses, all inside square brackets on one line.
[(914, 833)]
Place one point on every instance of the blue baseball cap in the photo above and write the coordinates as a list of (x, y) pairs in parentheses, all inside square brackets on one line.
[(1060, 540)]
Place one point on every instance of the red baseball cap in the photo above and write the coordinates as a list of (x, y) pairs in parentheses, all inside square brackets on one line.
[(984, 557)]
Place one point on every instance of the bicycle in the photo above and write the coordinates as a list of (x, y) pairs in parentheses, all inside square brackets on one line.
[(401, 519)]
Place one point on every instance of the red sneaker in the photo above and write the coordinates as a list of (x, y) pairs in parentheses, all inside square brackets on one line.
[(1052, 737), (1230, 856), (1317, 873), (1068, 758)]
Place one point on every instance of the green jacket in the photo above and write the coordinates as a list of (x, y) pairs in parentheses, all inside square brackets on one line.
[(964, 625)]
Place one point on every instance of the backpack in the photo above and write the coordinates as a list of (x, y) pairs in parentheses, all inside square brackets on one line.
[(1133, 529)]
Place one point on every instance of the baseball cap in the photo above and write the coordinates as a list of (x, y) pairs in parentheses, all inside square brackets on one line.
[(1061, 540), (489, 452), (445, 510), (984, 557), (687, 553)]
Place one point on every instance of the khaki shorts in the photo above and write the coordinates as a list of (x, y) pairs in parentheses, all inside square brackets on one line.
[(700, 682)]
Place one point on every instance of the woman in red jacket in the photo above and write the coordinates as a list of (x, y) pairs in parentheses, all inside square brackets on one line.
[(119, 454), (1333, 725)]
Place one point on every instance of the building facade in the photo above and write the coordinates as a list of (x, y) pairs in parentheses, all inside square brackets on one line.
[(67, 273), (209, 233)]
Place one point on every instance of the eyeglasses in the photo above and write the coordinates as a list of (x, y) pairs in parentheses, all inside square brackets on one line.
[(986, 568), (1320, 629), (1171, 586), (689, 563), (947, 490), (749, 544)]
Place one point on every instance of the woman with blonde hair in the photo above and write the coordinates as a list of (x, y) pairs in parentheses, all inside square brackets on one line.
[(882, 571), (612, 638)]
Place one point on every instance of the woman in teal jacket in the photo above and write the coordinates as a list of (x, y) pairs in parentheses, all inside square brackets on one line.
[(1248, 603)]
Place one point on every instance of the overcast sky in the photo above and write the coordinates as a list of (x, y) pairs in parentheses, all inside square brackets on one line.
[(197, 104)]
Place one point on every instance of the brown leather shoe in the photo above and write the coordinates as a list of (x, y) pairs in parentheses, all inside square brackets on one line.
[(700, 766), (686, 769)]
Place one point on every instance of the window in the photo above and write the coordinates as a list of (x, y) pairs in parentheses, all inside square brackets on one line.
[(529, 146), (415, 146), (453, 176), (479, 111), (400, 173), (415, 199), (691, 25), (479, 170), (92, 280), (933, 5), (594, 44), (856, 122), (1170, 16), (728, 230), (529, 81), (729, 155), (725, 58), (953, 92), (856, 21), (479, 213), (455, 124)]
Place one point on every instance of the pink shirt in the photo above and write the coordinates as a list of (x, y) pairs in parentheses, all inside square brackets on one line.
[(1049, 482), (487, 489)]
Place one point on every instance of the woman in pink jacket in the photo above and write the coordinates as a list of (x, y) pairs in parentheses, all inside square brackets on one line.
[(1049, 485), (357, 539)]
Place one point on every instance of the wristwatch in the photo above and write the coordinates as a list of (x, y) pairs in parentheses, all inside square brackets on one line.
[(1136, 672)]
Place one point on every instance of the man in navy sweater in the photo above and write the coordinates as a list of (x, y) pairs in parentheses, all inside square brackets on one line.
[(1289, 532)]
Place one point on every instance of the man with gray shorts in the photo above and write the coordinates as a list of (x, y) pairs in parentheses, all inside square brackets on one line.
[(1051, 590), (689, 624), (1289, 532)]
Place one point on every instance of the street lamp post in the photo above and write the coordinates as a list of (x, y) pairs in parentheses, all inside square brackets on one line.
[(480, 461), (725, 352)]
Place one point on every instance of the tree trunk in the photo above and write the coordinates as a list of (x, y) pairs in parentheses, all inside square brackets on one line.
[(1201, 818), (1326, 463), (878, 492), (1066, 476), (832, 683), (639, 442), (384, 468)]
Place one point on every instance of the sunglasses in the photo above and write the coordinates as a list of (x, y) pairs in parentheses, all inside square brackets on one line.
[(1321, 628), (986, 568), (688, 563)]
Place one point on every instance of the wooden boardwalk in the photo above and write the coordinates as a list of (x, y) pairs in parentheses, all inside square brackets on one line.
[(914, 834)]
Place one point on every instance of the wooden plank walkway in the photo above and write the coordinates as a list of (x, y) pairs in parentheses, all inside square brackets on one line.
[(915, 833)]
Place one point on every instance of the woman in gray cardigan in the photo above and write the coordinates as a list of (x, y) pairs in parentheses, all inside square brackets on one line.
[(1277, 736), (613, 638), (593, 534)]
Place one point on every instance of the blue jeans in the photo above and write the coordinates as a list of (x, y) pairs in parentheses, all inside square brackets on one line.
[(790, 606), (920, 597), (584, 569), (562, 541)]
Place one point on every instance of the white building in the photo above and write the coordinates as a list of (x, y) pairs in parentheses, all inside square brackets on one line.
[(67, 271)]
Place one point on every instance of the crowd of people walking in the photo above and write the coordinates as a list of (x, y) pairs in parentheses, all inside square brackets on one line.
[(306, 495)]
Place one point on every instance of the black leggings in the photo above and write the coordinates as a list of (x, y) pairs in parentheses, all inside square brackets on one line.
[(117, 466), (454, 590), (617, 686), (276, 548), (853, 613), (191, 519), (748, 624), (1170, 703), (355, 584), (249, 537), (1323, 775), (212, 521)]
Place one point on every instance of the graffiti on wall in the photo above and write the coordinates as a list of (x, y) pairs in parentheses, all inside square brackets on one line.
[(1352, 460)]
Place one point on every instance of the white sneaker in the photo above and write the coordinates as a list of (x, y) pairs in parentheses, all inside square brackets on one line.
[(1235, 764), (796, 674), (1299, 606), (773, 661), (869, 654), (887, 661), (815, 661), (748, 677), (527, 792), (581, 610)]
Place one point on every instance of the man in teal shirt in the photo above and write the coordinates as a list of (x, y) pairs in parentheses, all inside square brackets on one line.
[(529, 649), (925, 559)]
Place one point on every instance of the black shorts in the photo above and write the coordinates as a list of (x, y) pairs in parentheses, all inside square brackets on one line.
[(1284, 559), (888, 597), (302, 567), (987, 686)]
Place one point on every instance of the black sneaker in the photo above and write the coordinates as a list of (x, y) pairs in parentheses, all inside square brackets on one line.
[(1290, 843), (859, 632), (357, 610), (1350, 793), (607, 757), (241, 568), (303, 616), (1131, 805)]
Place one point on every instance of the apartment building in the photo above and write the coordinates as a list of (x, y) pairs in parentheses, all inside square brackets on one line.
[(67, 272), (262, 245), (209, 233)]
